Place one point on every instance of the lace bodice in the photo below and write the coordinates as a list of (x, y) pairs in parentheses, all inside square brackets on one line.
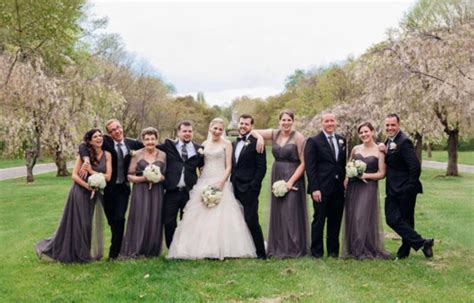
[(214, 162)]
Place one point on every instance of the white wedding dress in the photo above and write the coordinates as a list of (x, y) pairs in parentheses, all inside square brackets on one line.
[(215, 233)]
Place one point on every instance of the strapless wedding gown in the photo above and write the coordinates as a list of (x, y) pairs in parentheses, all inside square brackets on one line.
[(215, 233)]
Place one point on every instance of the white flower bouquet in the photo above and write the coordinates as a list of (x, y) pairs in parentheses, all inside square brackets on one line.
[(211, 196), (153, 174), (97, 183), (279, 188), (355, 168)]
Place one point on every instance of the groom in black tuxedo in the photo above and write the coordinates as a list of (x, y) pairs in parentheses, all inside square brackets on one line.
[(325, 160), (183, 158), (402, 187), (117, 191), (248, 171)]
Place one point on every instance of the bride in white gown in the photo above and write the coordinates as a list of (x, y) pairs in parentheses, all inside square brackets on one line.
[(218, 232)]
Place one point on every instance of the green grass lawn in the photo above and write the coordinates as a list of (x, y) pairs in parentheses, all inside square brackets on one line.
[(29, 213), (464, 157)]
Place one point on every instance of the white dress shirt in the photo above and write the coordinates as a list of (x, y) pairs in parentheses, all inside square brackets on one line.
[(240, 145), (191, 152), (334, 140)]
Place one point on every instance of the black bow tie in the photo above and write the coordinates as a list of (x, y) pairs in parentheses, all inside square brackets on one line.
[(240, 139)]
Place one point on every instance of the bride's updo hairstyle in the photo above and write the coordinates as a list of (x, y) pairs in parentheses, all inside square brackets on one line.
[(215, 121)]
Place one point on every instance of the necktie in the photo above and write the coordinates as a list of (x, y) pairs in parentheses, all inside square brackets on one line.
[(184, 152), (331, 144), (120, 165), (387, 147)]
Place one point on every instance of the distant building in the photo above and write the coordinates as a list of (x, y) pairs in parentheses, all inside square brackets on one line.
[(233, 127)]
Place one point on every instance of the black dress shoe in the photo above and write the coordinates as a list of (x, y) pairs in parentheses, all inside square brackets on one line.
[(401, 257), (427, 248)]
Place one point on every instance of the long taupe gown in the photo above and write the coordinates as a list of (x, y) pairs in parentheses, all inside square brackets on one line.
[(144, 233), (288, 232), (363, 235), (79, 235)]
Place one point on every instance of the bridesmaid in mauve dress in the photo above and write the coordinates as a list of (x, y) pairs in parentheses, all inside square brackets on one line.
[(288, 232), (363, 235), (144, 233), (79, 237)]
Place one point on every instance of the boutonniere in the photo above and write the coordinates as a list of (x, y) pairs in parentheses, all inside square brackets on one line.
[(341, 144), (392, 146), (200, 151), (247, 142), (133, 153)]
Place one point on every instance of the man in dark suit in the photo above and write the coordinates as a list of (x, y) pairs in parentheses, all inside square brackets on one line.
[(183, 158), (402, 186), (248, 171), (117, 191), (325, 160)]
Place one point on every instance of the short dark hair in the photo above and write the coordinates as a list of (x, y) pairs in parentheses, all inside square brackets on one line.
[(393, 115), (366, 123), (150, 131), (286, 112), (185, 123), (247, 116)]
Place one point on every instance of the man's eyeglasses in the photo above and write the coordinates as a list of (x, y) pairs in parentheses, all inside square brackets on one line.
[(113, 130)]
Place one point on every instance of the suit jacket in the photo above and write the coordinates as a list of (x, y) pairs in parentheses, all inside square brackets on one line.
[(175, 164), (109, 145), (403, 167), (249, 171), (321, 165)]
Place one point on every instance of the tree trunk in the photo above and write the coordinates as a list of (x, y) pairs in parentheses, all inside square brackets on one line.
[(31, 157), (61, 164), (429, 150), (348, 145), (453, 137), (418, 145), (32, 154)]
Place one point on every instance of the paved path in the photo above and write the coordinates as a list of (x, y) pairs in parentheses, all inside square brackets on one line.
[(16, 172), (20, 171), (443, 165)]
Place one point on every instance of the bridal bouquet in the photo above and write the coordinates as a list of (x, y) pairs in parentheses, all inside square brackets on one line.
[(279, 188), (153, 174), (97, 183), (355, 168), (211, 196)]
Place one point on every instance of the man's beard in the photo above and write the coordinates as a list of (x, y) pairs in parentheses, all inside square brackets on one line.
[(241, 132)]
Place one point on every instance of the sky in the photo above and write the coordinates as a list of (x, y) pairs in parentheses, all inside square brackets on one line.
[(228, 49)]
